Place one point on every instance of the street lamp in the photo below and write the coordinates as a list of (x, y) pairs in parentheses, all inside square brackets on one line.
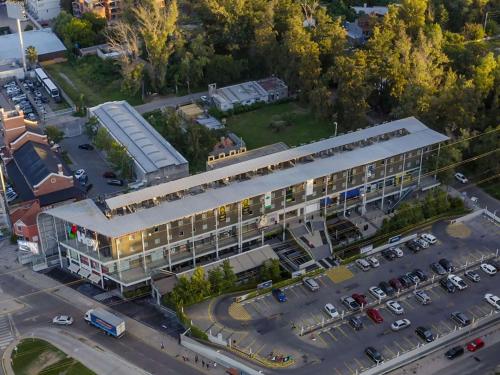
[(15, 10)]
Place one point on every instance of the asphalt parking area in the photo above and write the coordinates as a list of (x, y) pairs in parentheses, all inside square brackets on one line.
[(343, 347)]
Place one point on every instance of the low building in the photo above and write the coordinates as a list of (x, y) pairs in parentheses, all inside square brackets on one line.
[(379, 11), (190, 112), (23, 219), (228, 146), (43, 10), (109, 9), (263, 91), (155, 159), (46, 43)]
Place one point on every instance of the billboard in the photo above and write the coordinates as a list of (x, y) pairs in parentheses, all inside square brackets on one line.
[(309, 187)]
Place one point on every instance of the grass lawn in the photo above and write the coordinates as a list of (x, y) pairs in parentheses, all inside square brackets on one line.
[(254, 127), (99, 81), (492, 188), (36, 356)]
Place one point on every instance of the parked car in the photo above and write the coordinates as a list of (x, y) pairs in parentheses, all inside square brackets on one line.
[(493, 300), (447, 265), (373, 262), (414, 278), (460, 318), (363, 264), (475, 344), (414, 246), (461, 178), (86, 146), (423, 243), (395, 307), (396, 284), (11, 196), (116, 182), (360, 298), (422, 297), (377, 292), (420, 274), (447, 285), (64, 320), (397, 250), (311, 284), (472, 275), (425, 334), (431, 239), (350, 303), (389, 254), (374, 354), (438, 268), (279, 294), (109, 174), (454, 352), (374, 315), (405, 281), (488, 269), (80, 173), (400, 324), (356, 323), (331, 310), (387, 288), (457, 281)]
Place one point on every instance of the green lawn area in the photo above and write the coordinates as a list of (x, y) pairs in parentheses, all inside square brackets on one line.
[(492, 188), (36, 356), (99, 81), (254, 127)]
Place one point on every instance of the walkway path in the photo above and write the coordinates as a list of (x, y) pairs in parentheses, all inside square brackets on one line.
[(172, 101)]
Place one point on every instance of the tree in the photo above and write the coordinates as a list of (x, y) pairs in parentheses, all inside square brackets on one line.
[(199, 284), (31, 55), (229, 276), (473, 31), (102, 140), (28, 27), (216, 279), (54, 134), (413, 14), (271, 270), (157, 27)]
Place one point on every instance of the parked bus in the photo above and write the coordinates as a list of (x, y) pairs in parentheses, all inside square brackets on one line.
[(47, 84)]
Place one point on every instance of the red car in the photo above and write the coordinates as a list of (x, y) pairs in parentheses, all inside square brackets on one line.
[(396, 284), (375, 315), (475, 344), (360, 298)]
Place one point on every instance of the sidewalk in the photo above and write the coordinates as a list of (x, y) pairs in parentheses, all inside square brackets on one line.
[(172, 101), (89, 353)]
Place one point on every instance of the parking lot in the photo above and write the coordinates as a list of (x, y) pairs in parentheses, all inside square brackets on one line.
[(265, 325), (93, 164)]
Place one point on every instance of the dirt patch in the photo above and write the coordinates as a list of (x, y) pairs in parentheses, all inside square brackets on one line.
[(44, 360), (458, 230)]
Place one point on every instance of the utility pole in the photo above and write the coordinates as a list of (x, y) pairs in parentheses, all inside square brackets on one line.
[(15, 10)]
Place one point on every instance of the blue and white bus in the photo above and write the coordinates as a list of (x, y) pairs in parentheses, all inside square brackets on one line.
[(47, 84)]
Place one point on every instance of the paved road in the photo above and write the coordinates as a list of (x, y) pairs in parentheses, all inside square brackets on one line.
[(483, 362), (169, 102)]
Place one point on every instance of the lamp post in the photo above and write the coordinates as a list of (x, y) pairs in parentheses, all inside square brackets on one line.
[(15, 10)]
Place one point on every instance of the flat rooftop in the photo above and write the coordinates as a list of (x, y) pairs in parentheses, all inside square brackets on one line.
[(45, 41), (241, 92), (144, 144), (247, 155), (87, 214)]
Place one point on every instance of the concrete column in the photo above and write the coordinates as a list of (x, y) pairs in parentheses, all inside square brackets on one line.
[(420, 166), (57, 240), (437, 162), (304, 216), (284, 213), (345, 191), (365, 187), (327, 178), (102, 277), (192, 239), (383, 186), (216, 215), (240, 228), (169, 248), (143, 253), (402, 175)]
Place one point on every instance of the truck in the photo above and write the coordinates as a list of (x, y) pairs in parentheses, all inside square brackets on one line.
[(106, 321)]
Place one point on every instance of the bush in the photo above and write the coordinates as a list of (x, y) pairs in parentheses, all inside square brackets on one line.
[(139, 292), (198, 333)]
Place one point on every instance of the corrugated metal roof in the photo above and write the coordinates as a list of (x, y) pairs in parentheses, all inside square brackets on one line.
[(146, 146), (45, 41)]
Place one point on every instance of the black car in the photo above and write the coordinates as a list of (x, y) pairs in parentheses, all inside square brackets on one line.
[(438, 268), (454, 352), (109, 174), (446, 264), (387, 288), (420, 274), (460, 318), (495, 264), (116, 182), (88, 187), (425, 334), (374, 354), (414, 246), (389, 254), (356, 323), (447, 285), (406, 281), (86, 146)]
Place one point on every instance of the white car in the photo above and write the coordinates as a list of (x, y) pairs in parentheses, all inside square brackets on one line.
[(492, 300), (397, 250), (461, 178), (457, 281), (80, 173), (377, 292), (331, 310), (429, 238), (63, 320), (488, 268), (373, 262), (423, 243), (400, 324), (395, 307)]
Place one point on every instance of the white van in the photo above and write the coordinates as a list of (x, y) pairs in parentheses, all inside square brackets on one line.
[(363, 264)]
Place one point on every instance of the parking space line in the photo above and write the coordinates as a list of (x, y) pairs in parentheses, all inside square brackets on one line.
[(337, 371), (399, 346), (322, 340), (240, 339), (343, 332), (322, 282), (408, 304), (302, 290), (390, 350), (332, 335), (315, 318), (251, 343), (360, 365), (349, 368), (412, 345), (437, 329), (294, 292), (447, 326), (437, 295), (484, 310), (260, 349)]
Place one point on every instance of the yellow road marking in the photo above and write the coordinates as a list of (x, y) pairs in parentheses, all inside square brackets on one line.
[(343, 332), (315, 318), (322, 282), (350, 369), (332, 335)]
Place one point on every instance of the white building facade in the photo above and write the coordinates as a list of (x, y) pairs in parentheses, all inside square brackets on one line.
[(43, 10)]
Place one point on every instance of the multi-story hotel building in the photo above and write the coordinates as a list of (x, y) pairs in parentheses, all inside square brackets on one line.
[(201, 218)]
